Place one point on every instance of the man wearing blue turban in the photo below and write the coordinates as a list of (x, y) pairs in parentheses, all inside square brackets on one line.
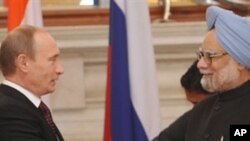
[(224, 61)]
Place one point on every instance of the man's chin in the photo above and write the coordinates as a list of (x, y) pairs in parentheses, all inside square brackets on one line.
[(210, 90), (51, 91), (206, 85)]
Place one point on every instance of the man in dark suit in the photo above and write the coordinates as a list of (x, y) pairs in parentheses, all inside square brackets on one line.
[(29, 61)]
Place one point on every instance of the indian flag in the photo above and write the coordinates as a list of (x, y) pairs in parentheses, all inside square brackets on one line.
[(24, 12)]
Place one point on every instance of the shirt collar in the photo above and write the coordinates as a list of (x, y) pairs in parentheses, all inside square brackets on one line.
[(31, 96)]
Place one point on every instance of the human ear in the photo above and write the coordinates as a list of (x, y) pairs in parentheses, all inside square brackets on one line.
[(22, 62)]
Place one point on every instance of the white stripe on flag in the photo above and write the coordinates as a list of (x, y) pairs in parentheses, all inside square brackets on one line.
[(33, 14)]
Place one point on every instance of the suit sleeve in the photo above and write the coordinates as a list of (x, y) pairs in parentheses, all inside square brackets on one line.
[(176, 131)]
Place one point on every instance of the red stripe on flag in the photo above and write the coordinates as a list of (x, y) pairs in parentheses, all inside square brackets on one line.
[(16, 10), (107, 124)]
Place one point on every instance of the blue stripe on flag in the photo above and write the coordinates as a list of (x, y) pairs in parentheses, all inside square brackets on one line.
[(125, 124)]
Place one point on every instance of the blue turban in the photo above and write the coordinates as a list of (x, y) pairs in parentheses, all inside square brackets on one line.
[(232, 33)]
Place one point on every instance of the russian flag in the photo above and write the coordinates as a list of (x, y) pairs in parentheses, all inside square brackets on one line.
[(24, 12), (132, 103)]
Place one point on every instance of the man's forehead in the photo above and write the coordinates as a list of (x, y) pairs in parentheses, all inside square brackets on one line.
[(211, 43)]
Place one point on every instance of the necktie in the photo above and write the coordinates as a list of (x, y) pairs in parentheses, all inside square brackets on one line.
[(47, 116)]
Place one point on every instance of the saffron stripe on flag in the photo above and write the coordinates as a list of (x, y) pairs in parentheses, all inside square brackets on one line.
[(134, 104), (24, 12), (16, 10)]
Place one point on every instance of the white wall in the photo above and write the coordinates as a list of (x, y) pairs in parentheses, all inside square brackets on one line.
[(78, 103)]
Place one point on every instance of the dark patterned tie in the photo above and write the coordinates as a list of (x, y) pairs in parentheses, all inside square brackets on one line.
[(47, 115)]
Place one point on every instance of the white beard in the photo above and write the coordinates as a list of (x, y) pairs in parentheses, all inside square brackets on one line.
[(223, 80)]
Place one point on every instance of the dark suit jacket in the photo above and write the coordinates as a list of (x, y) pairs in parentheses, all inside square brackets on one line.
[(21, 120), (210, 120)]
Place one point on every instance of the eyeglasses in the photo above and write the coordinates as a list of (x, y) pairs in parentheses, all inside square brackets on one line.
[(208, 55)]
